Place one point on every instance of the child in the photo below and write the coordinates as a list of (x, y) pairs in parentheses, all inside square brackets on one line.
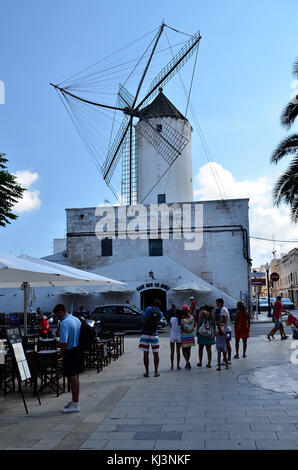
[(175, 337), (221, 345)]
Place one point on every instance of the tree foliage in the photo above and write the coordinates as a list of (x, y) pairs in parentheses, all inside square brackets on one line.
[(286, 188), (10, 193)]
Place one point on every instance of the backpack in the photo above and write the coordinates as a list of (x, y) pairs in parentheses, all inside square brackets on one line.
[(206, 328), (151, 322), (87, 335)]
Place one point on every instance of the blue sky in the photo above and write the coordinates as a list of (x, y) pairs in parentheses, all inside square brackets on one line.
[(243, 80)]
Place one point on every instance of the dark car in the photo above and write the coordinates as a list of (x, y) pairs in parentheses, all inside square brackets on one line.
[(119, 317)]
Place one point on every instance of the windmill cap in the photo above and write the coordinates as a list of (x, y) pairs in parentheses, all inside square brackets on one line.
[(161, 106)]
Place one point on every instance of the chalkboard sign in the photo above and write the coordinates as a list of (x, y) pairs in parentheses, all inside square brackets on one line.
[(13, 335), (14, 339)]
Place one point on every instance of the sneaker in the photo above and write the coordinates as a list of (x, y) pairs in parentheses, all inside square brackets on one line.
[(71, 408), (68, 404)]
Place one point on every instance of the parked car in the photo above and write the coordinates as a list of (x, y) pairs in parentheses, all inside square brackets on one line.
[(263, 304), (287, 303), (119, 317)]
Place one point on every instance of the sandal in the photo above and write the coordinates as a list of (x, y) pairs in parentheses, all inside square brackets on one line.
[(157, 374), (209, 367), (236, 356), (146, 375), (199, 365)]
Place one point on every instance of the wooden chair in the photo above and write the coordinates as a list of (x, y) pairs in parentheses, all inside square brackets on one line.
[(7, 375), (94, 357), (49, 369), (119, 339)]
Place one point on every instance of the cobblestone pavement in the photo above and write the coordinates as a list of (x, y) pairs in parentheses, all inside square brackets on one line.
[(252, 405)]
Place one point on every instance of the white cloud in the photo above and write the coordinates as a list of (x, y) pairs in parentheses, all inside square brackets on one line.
[(30, 199), (266, 220)]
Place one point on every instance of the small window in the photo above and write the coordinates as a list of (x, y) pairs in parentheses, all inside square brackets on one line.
[(159, 127), (155, 247), (161, 198), (106, 247)]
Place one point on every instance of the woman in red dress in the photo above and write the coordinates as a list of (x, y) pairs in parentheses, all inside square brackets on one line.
[(242, 326)]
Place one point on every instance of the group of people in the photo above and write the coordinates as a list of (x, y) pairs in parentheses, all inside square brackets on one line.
[(209, 331)]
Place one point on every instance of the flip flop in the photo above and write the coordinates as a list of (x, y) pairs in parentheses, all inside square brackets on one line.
[(156, 374), (146, 375)]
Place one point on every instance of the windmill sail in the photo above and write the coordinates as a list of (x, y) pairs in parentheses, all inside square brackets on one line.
[(120, 150)]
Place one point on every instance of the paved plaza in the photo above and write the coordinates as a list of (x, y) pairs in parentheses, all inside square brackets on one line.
[(252, 405)]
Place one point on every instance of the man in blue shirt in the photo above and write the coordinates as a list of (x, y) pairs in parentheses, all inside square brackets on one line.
[(149, 336), (70, 328)]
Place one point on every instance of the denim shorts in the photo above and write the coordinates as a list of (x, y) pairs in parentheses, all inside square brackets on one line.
[(277, 322)]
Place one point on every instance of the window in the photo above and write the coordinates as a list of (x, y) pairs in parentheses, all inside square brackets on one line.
[(106, 247), (155, 247), (161, 198)]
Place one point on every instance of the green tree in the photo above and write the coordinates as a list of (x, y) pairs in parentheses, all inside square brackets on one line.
[(10, 192), (286, 188)]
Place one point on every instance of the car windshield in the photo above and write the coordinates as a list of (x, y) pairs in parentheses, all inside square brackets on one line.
[(138, 310), (286, 300)]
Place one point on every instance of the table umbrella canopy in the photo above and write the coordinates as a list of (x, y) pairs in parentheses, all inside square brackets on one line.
[(14, 271), (193, 286), (74, 290), (26, 271)]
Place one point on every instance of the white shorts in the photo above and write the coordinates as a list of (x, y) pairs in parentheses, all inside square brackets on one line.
[(175, 339)]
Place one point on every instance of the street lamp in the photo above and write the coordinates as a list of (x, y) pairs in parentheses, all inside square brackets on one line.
[(267, 267)]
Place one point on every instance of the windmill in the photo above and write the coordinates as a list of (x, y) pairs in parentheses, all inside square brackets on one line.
[(169, 143)]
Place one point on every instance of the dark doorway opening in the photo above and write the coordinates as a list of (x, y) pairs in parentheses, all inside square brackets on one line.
[(149, 295)]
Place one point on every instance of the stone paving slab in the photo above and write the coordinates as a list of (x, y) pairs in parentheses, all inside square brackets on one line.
[(180, 410)]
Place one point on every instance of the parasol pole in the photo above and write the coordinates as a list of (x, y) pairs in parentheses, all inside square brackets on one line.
[(25, 287)]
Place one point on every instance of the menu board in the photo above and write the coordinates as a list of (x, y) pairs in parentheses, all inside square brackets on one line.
[(13, 335), (15, 339)]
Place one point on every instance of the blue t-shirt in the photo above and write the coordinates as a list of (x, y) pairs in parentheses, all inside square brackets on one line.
[(70, 328), (147, 313)]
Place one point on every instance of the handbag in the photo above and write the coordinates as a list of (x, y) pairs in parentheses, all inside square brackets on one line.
[(206, 328)]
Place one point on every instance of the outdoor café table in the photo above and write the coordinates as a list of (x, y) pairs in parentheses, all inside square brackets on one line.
[(47, 343)]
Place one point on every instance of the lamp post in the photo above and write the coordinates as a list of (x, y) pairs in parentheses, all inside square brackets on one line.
[(267, 267)]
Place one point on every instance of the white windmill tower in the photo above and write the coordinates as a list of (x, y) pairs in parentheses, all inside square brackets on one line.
[(155, 154), (158, 179)]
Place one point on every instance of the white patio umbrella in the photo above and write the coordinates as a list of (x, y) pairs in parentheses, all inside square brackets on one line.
[(72, 292), (26, 271), (115, 289), (193, 286)]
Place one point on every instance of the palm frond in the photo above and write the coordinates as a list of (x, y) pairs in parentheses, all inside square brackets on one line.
[(289, 115), (295, 67), (294, 211), (286, 189), (287, 146)]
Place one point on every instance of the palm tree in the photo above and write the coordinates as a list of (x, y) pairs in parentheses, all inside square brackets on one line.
[(286, 188)]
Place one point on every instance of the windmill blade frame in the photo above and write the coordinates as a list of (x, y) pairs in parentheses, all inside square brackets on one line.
[(175, 64), (168, 142)]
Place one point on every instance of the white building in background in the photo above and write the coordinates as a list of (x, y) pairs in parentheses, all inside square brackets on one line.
[(287, 268), (195, 243)]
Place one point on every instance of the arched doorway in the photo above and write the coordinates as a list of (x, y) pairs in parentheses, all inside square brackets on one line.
[(149, 295)]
